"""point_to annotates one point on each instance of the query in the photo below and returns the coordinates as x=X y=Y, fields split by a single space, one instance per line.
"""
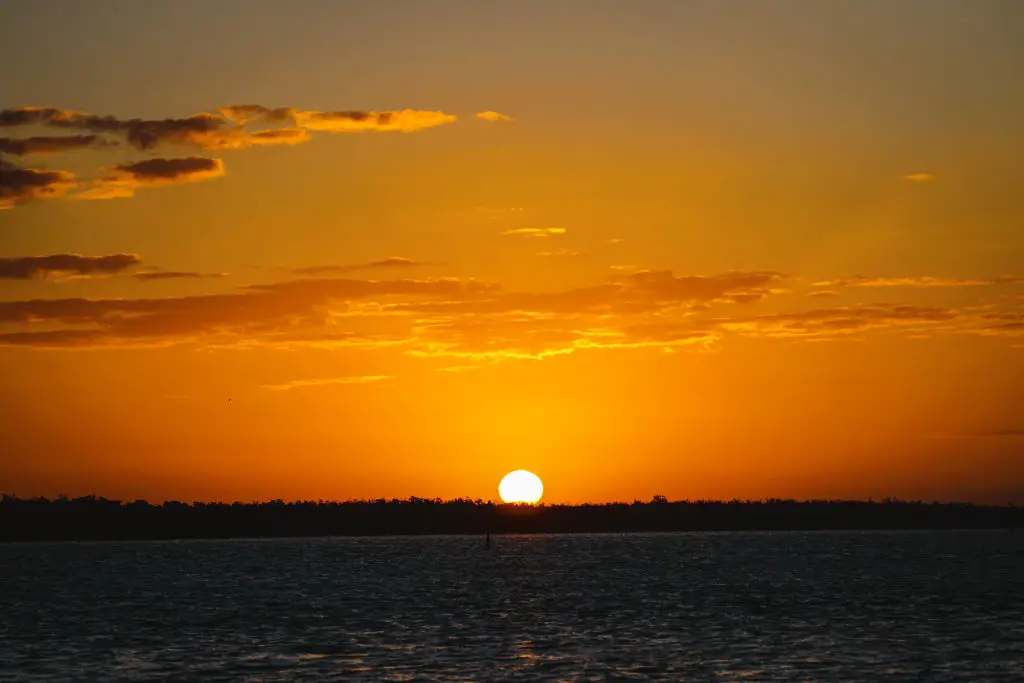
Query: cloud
x=493 y=116
x=458 y=368
x=223 y=129
x=51 y=145
x=149 y=276
x=290 y=308
x=823 y=293
x=427 y=318
x=146 y=135
x=478 y=322
x=919 y=177
x=341 y=288
x=220 y=130
x=205 y=130
x=841 y=320
x=1000 y=323
x=168 y=171
x=352 y=379
x=406 y=120
x=662 y=285
x=18 y=185
x=102 y=190
x=26 y=116
x=861 y=281
x=535 y=232
x=65 y=338
x=243 y=113
x=123 y=179
x=925 y=281
x=497 y=338
x=26 y=267
x=142 y=133
x=641 y=292
x=559 y=252
x=616 y=240
x=239 y=139
x=391 y=262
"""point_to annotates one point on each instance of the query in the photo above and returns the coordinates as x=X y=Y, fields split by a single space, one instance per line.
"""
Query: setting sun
x=521 y=487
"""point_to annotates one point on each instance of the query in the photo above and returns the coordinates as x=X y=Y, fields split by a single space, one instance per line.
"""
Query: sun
x=521 y=487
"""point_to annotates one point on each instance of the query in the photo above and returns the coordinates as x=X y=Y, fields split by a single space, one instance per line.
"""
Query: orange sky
x=637 y=248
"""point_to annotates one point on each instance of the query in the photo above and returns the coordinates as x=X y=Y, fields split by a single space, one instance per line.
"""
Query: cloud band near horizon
x=465 y=319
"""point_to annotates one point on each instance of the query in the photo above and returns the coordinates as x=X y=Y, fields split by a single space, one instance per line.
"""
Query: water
x=922 y=606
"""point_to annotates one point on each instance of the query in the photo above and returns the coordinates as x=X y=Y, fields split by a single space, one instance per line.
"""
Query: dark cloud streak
x=26 y=267
x=150 y=276
x=123 y=179
x=19 y=184
x=224 y=129
x=51 y=145
x=392 y=262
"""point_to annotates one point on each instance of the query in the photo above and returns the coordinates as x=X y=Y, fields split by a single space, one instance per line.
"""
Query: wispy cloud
x=924 y=281
x=534 y=232
x=295 y=307
x=458 y=368
x=559 y=252
x=240 y=139
x=399 y=262
x=823 y=293
x=919 y=177
x=26 y=267
x=52 y=145
x=223 y=129
x=325 y=381
x=900 y=282
x=18 y=185
x=493 y=116
x=634 y=293
x=842 y=320
x=152 y=275
x=479 y=322
x=1000 y=323
x=123 y=179
x=405 y=120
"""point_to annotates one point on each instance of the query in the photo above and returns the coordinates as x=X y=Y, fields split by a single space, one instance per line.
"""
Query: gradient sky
x=700 y=249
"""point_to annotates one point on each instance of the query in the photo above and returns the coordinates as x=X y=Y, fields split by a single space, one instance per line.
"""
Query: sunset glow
x=660 y=248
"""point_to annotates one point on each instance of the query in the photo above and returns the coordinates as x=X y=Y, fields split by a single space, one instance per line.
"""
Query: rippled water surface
x=945 y=606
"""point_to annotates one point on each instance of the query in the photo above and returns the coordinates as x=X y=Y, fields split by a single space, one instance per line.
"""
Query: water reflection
x=725 y=607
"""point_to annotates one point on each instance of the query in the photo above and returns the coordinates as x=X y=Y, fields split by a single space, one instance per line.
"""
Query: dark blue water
x=914 y=606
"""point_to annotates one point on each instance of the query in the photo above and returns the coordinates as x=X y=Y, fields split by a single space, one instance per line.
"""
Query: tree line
x=97 y=518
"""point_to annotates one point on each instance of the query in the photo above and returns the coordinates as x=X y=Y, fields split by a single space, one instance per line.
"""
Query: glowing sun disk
x=521 y=487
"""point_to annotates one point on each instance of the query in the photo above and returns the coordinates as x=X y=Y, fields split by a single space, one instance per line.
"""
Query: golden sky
x=698 y=249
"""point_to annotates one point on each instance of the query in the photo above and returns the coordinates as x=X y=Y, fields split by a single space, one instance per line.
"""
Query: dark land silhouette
x=95 y=518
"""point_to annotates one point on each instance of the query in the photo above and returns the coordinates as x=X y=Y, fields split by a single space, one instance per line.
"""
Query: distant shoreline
x=494 y=536
x=97 y=519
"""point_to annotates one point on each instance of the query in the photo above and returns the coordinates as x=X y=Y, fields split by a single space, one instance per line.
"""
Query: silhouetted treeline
x=92 y=518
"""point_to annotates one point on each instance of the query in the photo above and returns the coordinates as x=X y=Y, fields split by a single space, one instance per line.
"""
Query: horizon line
x=654 y=500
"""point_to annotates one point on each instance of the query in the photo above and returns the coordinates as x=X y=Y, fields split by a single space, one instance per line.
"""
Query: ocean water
x=915 y=606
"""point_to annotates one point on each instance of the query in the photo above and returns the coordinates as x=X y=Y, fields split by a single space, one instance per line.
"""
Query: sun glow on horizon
x=521 y=486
